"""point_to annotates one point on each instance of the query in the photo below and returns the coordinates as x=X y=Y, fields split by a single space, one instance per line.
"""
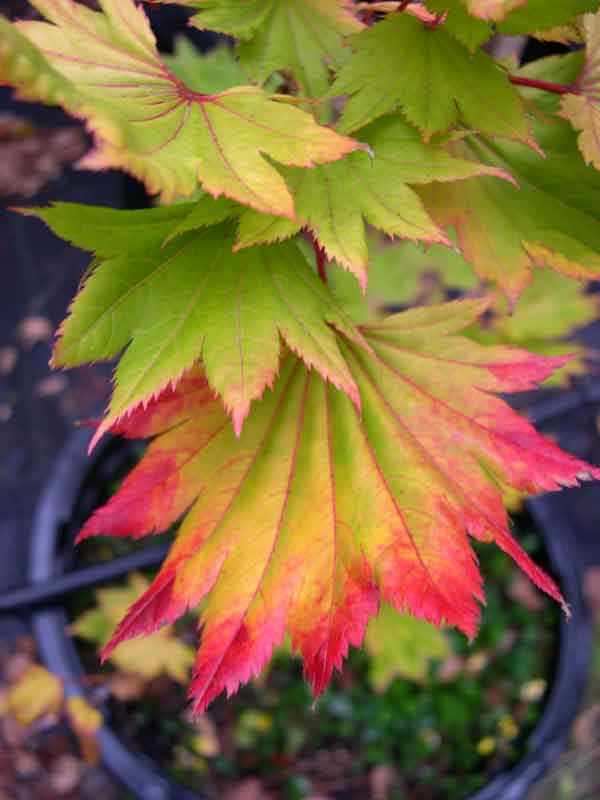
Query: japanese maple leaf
x=583 y=109
x=505 y=231
x=318 y=512
x=194 y=298
x=104 y=67
x=402 y=62
x=523 y=18
x=402 y=274
x=302 y=36
x=333 y=200
x=471 y=31
x=536 y=15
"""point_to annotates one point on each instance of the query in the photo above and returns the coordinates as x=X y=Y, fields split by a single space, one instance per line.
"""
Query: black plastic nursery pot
x=51 y=580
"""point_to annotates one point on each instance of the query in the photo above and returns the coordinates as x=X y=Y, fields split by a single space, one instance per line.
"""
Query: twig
x=557 y=88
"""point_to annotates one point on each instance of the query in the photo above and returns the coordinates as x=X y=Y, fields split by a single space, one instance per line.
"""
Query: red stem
x=321 y=259
x=557 y=88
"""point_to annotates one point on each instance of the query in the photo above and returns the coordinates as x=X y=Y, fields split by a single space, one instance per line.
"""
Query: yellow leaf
x=105 y=67
x=158 y=654
x=86 y=721
x=37 y=692
x=583 y=108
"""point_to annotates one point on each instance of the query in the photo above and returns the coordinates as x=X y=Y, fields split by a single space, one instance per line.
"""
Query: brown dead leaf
x=126 y=686
x=31 y=156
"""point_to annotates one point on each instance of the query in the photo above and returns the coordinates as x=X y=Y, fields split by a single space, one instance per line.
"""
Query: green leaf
x=304 y=37
x=402 y=646
x=194 y=298
x=212 y=72
x=401 y=62
x=538 y=15
x=513 y=17
x=552 y=217
x=105 y=68
x=108 y=232
x=400 y=274
x=471 y=31
x=333 y=201
x=403 y=274
x=237 y=19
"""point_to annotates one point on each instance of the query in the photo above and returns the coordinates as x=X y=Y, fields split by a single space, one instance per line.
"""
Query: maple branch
x=321 y=259
x=557 y=88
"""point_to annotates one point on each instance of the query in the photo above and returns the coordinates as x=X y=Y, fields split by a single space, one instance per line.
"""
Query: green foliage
x=401 y=63
x=400 y=120
x=403 y=274
x=332 y=201
x=192 y=298
x=402 y=646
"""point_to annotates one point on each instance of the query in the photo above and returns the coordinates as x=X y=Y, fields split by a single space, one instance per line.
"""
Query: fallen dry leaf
x=35 y=694
x=126 y=686
x=30 y=157
x=85 y=721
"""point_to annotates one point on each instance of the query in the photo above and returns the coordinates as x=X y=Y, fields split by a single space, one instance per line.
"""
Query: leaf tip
x=238 y=417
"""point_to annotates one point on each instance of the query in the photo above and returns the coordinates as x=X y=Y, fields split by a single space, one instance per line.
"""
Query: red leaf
x=319 y=511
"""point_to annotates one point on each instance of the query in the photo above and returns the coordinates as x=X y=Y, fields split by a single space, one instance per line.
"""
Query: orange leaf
x=319 y=511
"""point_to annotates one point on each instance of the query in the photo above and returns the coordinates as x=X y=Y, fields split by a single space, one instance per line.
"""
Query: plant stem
x=321 y=259
x=557 y=88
